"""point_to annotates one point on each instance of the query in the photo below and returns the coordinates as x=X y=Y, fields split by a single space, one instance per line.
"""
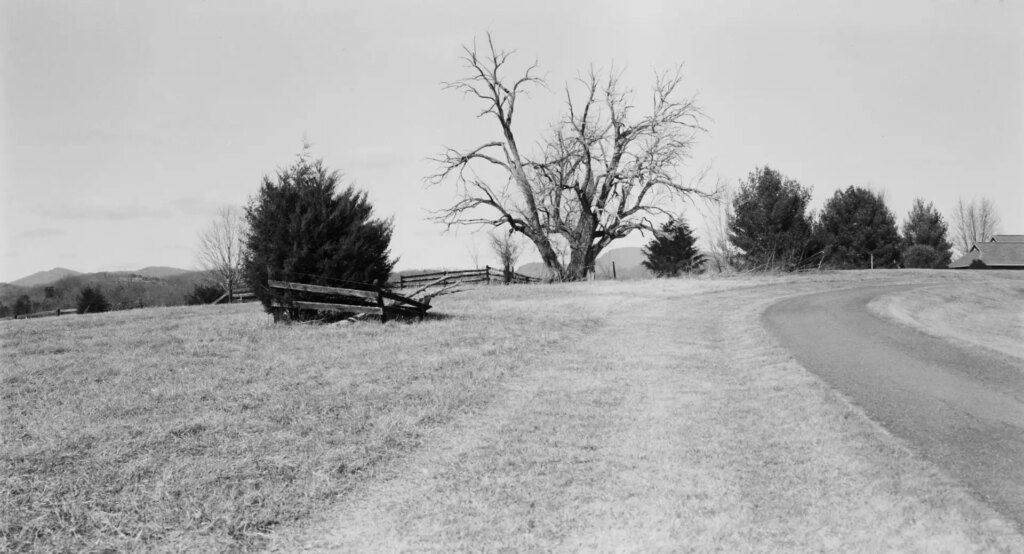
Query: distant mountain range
x=58 y=273
x=628 y=262
x=45 y=277
x=159 y=272
x=61 y=287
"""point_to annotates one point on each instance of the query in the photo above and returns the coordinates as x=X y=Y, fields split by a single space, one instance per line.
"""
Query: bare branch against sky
x=127 y=125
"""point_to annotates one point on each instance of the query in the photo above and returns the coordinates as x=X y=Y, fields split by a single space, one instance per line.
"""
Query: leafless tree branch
x=601 y=174
x=221 y=249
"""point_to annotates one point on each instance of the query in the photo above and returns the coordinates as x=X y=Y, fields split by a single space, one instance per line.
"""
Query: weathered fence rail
x=369 y=299
x=48 y=313
x=236 y=296
x=469 y=276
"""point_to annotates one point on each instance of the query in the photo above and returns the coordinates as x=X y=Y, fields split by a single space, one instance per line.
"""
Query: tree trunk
x=548 y=256
x=581 y=263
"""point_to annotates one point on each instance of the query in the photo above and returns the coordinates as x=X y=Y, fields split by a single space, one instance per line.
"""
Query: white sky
x=126 y=125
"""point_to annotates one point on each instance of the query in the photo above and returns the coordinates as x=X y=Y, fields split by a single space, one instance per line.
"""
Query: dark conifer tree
x=770 y=225
x=858 y=230
x=673 y=251
x=302 y=230
x=925 y=227
x=92 y=301
x=23 y=305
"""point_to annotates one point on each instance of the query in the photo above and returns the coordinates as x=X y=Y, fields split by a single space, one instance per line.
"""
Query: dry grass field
x=648 y=416
x=988 y=313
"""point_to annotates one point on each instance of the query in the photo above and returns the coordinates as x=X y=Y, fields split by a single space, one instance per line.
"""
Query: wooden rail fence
x=470 y=276
x=369 y=299
x=236 y=296
x=48 y=313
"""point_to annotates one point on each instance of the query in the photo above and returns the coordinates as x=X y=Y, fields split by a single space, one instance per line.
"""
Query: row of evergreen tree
x=89 y=300
x=771 y=228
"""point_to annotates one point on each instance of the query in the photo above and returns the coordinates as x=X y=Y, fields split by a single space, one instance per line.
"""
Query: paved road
x=961 y=409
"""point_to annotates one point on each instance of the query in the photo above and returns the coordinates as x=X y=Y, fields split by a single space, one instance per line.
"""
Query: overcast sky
x=127 y=125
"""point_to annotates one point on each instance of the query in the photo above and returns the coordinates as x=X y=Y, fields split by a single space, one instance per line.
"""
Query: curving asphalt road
x=961 y=409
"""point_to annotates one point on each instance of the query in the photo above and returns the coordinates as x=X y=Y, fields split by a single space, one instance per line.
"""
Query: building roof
x=1007 y=238
x=993 y=254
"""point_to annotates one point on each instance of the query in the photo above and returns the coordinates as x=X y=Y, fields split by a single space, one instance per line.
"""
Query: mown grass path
x=674 y=423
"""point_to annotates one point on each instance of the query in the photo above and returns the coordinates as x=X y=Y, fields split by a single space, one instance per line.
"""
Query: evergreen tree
x=92 y=301
x=770 y=225
x=925 y=227
x=673 y=251
x=23 y=305
x=302 y=230
x=922 y=256
x=858 y=230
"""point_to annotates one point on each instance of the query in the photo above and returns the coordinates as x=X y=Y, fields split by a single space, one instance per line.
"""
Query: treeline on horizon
x=766 y=225
x=121 y=291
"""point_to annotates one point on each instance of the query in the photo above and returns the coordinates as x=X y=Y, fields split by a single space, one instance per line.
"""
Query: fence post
x=487 y=272
x=380 y=303
x=614 y=276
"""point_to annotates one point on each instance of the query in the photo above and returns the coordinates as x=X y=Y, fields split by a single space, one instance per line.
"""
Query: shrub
x=302 y=230
x=23 y=305
x=91 y=301
x=673 y=251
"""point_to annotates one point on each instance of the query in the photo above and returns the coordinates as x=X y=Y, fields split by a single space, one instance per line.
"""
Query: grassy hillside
x=651 y=414
x=988 y=314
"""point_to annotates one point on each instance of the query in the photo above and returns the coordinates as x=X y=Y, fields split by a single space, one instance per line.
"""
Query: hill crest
x=45 y=277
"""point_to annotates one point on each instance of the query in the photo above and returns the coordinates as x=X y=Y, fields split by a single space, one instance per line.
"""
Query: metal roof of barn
x=993 y=254
x=1007 y=238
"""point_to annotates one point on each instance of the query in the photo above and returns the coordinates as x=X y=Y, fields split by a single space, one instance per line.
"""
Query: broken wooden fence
x=369 y=299
x=465 y=277
x=48 y=313
x=242 y=295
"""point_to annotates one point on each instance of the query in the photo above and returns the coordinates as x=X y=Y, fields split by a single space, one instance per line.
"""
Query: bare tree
x=221 y=249
x=716 y=219
x=973 y=222
x=473 y=249
x=508 y=249
x=601 y=173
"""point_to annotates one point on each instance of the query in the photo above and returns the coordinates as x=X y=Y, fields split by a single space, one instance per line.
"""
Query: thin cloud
x=191 y=205
x=43 y=233
x=110 y=212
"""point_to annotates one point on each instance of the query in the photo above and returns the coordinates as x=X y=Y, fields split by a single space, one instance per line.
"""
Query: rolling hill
x=160 y=271
x=123 y=289
x=627 y=259
x=45 y=277
x=58 y=273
